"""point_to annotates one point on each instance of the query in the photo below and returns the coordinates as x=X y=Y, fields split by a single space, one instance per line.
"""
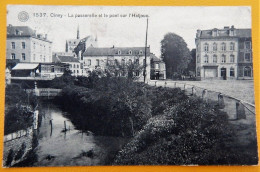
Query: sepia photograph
x=129 y=85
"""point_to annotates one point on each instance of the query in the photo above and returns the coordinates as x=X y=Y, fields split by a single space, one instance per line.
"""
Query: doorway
x=224 y=73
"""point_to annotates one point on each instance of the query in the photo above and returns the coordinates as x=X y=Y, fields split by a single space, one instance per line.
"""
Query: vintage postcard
x=129 y=85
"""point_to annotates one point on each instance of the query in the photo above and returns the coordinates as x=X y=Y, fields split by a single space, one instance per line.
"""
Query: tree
x=175 y=54
x=192 y=63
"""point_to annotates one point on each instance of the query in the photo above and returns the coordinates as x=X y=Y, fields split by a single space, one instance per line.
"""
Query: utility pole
x=145 y=51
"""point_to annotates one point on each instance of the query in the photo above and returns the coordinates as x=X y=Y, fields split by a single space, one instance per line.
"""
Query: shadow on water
x=60 y=143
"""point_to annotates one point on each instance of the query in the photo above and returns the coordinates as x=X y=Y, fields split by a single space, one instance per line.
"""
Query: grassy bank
x=165 y=125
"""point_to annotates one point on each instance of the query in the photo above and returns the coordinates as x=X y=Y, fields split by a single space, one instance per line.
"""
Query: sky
x=120 y=26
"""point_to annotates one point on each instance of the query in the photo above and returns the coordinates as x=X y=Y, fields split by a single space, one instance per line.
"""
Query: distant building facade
x=158 y=68
x=25 y=45
x=224 y=53
x=102 y=58
x=73 y=64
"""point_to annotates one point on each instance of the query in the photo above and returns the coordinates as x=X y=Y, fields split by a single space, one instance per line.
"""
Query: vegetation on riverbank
x=166 y=126
x=18 y=109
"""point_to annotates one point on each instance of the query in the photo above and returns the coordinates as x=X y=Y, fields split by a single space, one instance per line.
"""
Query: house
x=105 y=58
x=158 y=69
x=224 y=54
x=25 y=45
x=73 y=63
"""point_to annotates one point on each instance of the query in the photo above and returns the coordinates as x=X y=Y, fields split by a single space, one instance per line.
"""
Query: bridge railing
x=44 y=92
x=234 y=107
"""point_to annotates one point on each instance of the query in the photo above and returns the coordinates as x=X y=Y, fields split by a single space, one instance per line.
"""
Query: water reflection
x=60 y=144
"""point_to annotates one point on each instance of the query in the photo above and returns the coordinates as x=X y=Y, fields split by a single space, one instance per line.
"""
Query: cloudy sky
x=117 y=26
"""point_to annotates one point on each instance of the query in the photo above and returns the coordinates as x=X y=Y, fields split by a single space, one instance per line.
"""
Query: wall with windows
x=91 y=63
x=212 y=55
x=28 y=49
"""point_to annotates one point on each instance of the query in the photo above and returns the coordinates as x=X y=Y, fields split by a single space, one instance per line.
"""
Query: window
x=74 y=66
x=34 y=45
x=137 y=61
x=23 y=56
x=232 y=72
x=156 y=66
x=248 y=45
x=214 y=33
x=97 y=62
x=198 y=59
x=198 y=71
x=232 y=33
x=13 y=56
x=119 y=52
x=247 y=71
x=215 y=46
x=206 y=59
x=129 y=52
x=247 y=57
x=206 y=47
x=144 y=62
x=215 y=58
x=130 y=61
x=13 y=45
x=137 y=73
x=232 y=46
x=123 y=61
x=223 y=59
x=89 y=62
x=23 y=45
x=140 y=52
x=77 y=71
x=232 y=58
x=223 y=46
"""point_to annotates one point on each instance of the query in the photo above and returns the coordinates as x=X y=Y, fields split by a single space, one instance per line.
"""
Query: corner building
x=224 y=54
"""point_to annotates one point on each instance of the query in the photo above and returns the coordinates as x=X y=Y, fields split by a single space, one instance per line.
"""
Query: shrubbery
x=167 y=126
x=190 y=132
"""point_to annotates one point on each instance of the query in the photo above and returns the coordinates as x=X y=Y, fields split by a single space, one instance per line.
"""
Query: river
x=73 y=147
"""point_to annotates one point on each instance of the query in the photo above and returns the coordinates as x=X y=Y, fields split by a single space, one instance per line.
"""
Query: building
x=224 y=53
x=104 y=58
x=158 y=69
x=25 y=45
x=73 y=63
x=72 y=45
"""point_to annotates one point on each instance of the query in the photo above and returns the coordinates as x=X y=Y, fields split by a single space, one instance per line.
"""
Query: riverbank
x=166 y=126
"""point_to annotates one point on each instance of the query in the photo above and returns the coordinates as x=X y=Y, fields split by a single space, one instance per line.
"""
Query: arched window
x=247 y=71
x=215 y=46
x=232 y=58
x=223 y=46
x=206 y=59
x=232 y=72
x=232 y=46
x=223 y=58
x=215 y=58
x=206 y=47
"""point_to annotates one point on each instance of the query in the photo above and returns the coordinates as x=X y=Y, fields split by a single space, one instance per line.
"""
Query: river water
x=73 y=147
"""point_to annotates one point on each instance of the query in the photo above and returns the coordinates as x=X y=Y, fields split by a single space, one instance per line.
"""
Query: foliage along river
x=73 y=147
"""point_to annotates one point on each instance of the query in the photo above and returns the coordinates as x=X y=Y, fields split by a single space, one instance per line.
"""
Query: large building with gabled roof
x=27 y=46
x=224 y=53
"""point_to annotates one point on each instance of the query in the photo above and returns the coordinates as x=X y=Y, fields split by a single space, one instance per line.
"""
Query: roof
x=24 y=31
x=73 y=42
x=116 y=51
x=26 y=66
x=154 y=58
x=64 y=59
x=241 y=33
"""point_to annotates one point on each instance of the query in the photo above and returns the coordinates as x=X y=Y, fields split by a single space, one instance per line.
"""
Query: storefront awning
x=25 y=66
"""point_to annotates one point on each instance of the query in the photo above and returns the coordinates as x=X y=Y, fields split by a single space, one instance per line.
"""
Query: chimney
x=226 y=27
x=232 y=27
x=198 y=33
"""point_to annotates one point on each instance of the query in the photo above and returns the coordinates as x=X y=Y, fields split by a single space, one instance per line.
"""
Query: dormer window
x=140 y=52
x=214 y=33
x=119 y=52
x=129 y=52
